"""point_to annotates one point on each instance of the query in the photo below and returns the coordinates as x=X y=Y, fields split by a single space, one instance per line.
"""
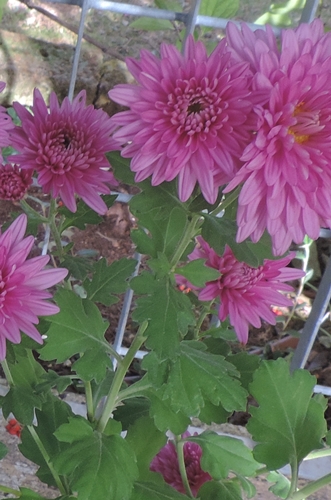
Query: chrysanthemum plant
x=238 y=138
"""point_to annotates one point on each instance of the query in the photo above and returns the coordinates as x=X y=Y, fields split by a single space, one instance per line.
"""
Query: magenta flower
x=166 y=462
x=5 y=124
x=246 y=294
x=189 y=117
x=22 y=285
x=66 y=145
x=14 y=182
x=286 y=174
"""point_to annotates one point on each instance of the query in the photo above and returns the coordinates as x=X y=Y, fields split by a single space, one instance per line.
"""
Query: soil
x=36 y=50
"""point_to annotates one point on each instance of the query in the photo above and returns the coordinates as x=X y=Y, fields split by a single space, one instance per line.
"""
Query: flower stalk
x=181 y=463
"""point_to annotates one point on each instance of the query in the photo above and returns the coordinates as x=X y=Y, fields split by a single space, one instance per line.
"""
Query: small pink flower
x=286 y=174
x=246 y=293
x=22 y=285
x=66 y=145
x=189 y=117
x=166 y=462
x=5 y=124
x=14 y=182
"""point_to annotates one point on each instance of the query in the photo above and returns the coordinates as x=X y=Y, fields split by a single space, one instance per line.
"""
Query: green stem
x=204 y=313
x=47 y=459
x=318 y=454
x=133 y=391
x=294 y=479
x=191 y=231
x=119 y=377
x=54 y=229
x=7 y=373
x=89 y=401
x=5 y=489
x=227 y=201
x=181 y=462
x=311 y=488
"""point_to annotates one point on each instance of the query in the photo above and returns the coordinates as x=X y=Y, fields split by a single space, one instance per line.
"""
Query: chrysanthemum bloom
x=22 y=285
x=166 y=462
x=5 y=124
x=14 y=182
x=246 y=294
x=189 y=117
x=287 y=169
x=66 y=145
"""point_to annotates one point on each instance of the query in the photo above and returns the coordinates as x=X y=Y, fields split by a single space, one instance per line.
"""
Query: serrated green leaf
x=145 y=449
x=169 y=312
x=288 y=424
x=151 y=24
x=282 y=484
x=223 y=454
x=220 y=231
x=153 y=491
x=214 y=380
x=76 y=429
x=22 y=402
x=225 y=490
x=246 y=365
x=131 y=410
x=78 y=327
x=78 y=267
x=121 y=167
x=100 y=467
x=197 y=273
x=164 y=416
x=27 y=494
x=108 y=280
x=93 y=364
x=215 y=8
x=51 y=379
x=83 y=215
x=216 y=414
x=53 y=413
x=3 y=450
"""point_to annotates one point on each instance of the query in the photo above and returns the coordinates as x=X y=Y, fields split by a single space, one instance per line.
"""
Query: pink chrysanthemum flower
x=246 y=293
x=22 y=285
x=5 y=124
x=66 y=145
x=287 y=169
x=14 y=182
x=166 y=462
x=189 y=117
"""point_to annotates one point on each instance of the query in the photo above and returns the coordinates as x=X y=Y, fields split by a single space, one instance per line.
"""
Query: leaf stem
x=6 y=489
x=7 y=372
x=191 y=230
x=226 y=201
x=119 y=377
x=294 y=478
x=54 y=228
x=181 y=463
x=310 y=488
x=89 y=401
x=47 y=459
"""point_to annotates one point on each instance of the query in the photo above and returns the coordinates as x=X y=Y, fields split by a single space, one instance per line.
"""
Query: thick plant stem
x=311 y=488
x=89 y=401
x=181 y=463
x=55 y=232
x=191 y=231
x=47 y=459
x=119 y=377
x=294 y=479
x=7 y=373
x=10 y=491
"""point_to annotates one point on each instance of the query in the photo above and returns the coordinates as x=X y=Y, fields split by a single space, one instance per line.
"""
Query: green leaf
x=169 y=5
x=78 y=267
x=54 y=413
x=100 y=467
x=121 y=167
x=21 y=402
x=145 y=449
x=76 y=429
x=131 y=410
x=3 y=450
x=84 y=215
x=93 y=364
x=219 y=231
x=197 y=273
x=215 y=8
x=164 y=416
x=153 y=491
x=151 y=24
x=225 y=490
x=214 y=380
x=78 y=327
x=27 y=494
x=213 y=414
x=282 y=485
x=246 y=364
x=108 y=280
x=223 y=454
x=51 y=379
x=169 y=312
x=288 y=424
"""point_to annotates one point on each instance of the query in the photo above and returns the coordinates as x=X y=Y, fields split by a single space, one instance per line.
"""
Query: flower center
x=307 y=123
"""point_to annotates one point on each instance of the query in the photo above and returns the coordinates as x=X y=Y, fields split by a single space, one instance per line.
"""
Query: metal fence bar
x=73 y=77
x=309 y=11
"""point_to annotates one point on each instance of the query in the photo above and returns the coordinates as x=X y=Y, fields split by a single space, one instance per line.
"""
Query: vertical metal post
x=191 y=20
x=73 y=77
x=309 y=11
